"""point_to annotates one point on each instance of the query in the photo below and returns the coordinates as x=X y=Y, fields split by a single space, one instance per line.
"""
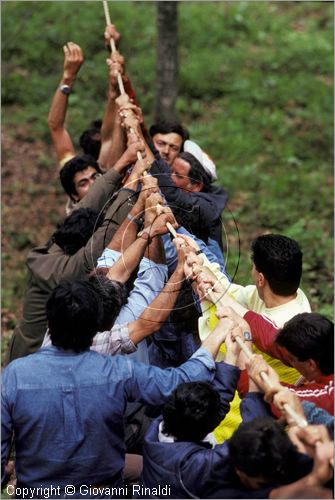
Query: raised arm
x=154 y=225
x=73 y=59
x=113 y=138
x=157 y=313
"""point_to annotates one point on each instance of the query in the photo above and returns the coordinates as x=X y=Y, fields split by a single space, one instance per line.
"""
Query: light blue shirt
x=151 y=278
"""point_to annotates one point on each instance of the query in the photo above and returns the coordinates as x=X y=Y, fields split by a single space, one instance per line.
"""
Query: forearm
x=58 y=108
x=56 y=118
x=228 y=301
x=113 y=140
x=127 y=232
x=128 y=261
x=212 y=344
x=117 y=147
x=158 y=311
x=114 y=217
x=59 y=103
x=155 y=251
x=109 y=115
x=149 y=154
x=232 y=295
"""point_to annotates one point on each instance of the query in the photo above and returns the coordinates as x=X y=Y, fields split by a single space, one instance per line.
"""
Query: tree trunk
x=167 y=61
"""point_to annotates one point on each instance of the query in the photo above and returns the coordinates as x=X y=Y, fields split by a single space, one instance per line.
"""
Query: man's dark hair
x=77 y=229
x=280 y=260
x=71 y=167
x=165 y=127
x=113 y=295
x=262 y=448
x=90 y=139
x=192 y=411
x=309 y=336
x=197 y=172
x=74 y=313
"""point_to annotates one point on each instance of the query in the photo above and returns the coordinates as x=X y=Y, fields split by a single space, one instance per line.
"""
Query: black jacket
x=199 y=213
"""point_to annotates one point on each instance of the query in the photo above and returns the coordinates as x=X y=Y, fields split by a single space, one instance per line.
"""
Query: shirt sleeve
x=322 y=394
x=318 y=416
x=253 y=406
x=114 y=341
x=225 y=382
x=264 y=333
x=6 y=425
x=153 y=385
x=150 y=281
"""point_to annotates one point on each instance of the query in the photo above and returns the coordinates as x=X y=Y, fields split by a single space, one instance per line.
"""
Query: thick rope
x=301 y=422
x=113 y=47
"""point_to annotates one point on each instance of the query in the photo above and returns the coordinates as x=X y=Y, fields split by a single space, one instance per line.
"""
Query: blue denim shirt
x=67 y=411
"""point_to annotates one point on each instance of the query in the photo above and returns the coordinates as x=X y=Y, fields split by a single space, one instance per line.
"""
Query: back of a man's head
x=90 y=139
x=279 y=259
x=192 y=411
x=76 y=164
x=261 y=448
x=76 y=230
x=309 y=336
x=113 y=296
x=74 y=313
x=165 y=127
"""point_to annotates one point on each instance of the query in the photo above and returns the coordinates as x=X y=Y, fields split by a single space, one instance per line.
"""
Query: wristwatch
x=137 y=220
x=247 y=336
x=66 y=89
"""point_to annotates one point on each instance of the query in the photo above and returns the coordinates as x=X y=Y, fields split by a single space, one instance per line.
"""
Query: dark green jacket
x=47 y=266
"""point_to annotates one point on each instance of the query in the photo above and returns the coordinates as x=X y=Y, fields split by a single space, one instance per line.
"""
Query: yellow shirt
x=249 y=298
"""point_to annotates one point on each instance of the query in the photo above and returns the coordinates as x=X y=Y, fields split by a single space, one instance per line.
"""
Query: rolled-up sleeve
x=114 y=341
x=149 y=283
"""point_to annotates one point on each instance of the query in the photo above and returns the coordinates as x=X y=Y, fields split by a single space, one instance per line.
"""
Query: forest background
x=255 y=91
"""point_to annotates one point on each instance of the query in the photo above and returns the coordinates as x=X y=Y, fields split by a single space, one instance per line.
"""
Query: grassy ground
x=256 y=91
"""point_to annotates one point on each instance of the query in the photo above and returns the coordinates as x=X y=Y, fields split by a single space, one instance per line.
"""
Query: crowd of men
x=137 y=368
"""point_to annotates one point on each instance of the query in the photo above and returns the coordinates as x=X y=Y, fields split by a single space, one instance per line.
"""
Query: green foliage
x=255 y=90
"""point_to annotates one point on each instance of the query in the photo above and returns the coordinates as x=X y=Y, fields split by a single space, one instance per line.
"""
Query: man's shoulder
x=216 y=197
x=22 y=365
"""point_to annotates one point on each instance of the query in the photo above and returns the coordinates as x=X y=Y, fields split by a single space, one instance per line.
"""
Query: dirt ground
x=32 y=204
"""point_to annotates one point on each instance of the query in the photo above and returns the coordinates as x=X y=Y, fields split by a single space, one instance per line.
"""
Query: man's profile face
x=83 y=180
x=180 y=170
x=168 y=145
x=302 y=367
x=181 y=176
